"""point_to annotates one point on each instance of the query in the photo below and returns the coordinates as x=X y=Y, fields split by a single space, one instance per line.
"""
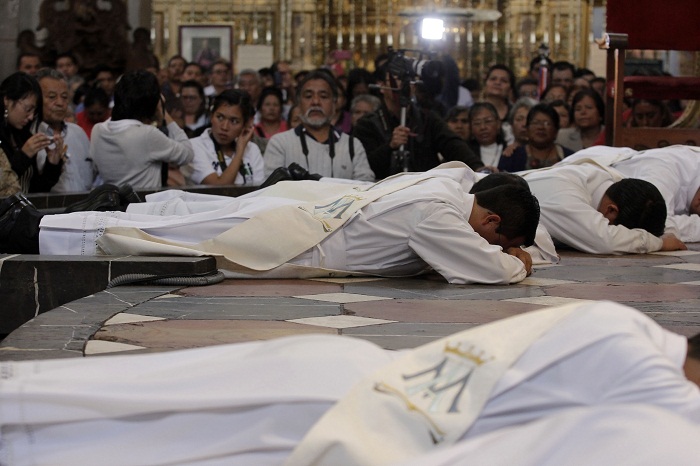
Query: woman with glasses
x=224 y=153
x=21 y=107
x=194 y=108
x=542 y=128
x=488 y=141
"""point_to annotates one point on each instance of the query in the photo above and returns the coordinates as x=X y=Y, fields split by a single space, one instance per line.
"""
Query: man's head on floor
x=694 y=208
x=691 y=367
x=634 y=203
x=506 y=215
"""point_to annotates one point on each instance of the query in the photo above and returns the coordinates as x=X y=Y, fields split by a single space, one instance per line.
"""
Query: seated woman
x=271 y=120
x=194 y=108
x=517 y=119
x=564 y=111
x=540 y=150
x=223 y=154
x=650 y=114
x=487 y=139
x=588 y=113
x=457 y=120
x=21 y=105
x=128 y=148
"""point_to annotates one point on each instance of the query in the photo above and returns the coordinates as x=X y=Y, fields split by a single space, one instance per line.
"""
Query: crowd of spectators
x=66 y=129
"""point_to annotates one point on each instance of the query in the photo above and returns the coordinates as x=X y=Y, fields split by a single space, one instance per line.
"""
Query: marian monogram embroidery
x=333 y=210
x=438 y=389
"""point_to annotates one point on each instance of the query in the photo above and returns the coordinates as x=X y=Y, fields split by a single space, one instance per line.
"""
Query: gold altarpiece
x=305 y=31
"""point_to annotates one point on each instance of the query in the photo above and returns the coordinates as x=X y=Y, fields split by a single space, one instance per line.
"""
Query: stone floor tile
x=408 y=329
x=690 y=283
x=103 y=347
x=175 y=334
x=547 y=300
x=398 y=342
x=627 y=292
x=262 y=288
x=341 y=297
x=687 y=331
x=675 y=253
x=419 y=310
x=343 y=321
x=542 y=281
x=127 y=318
x=686 y=266
x=343 y=281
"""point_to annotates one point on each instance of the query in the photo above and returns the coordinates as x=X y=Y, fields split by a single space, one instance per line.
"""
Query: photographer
x=424 y=136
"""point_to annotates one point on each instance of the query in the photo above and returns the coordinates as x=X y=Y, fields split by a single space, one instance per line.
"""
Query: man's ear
x=492 y=218
x=611 y=212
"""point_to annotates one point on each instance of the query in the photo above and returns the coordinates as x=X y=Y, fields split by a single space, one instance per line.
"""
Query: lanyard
x=305 y=147
x=222 y=160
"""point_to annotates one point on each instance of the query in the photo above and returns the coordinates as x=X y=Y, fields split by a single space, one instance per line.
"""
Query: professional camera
x=408 y=68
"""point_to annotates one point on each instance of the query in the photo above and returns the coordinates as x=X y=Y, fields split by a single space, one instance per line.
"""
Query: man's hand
x=672 y=243
x=524 y=257
x=55 y=155
x=399 y=137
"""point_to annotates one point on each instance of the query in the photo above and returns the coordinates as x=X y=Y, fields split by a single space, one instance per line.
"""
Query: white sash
x=424 y=400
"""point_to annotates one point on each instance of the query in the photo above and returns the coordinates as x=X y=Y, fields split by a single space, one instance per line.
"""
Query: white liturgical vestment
x=406 y=232
x=569 y=197
x=252 y=403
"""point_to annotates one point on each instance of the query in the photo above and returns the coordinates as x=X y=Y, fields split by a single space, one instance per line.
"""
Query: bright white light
x=432 y=29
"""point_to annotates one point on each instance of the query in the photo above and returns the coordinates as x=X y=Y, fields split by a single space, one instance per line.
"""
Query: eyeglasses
x=29 y=109
x=544 y=123
x=485 y=121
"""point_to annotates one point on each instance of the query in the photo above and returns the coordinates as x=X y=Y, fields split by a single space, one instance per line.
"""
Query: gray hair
x=50 y=73
x=523 y=102
x=367 y=98
x=250 y=72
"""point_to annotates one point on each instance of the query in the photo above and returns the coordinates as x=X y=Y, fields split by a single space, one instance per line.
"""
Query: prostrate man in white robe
x=253 y=403
x=674 y=170
x=418 y=222
x=597 y=210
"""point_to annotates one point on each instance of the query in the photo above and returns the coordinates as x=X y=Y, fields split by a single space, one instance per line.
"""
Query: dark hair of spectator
x=26 y=54
x=270 y=90
x=200 y=92
x=96 y=95
x=597 y=99
x=356 y=76
x=66 y=55
x=456 y=111
x=499 y=66
x=317 y=74
x=564 y=65
x=500 y=139
x=536 y=60
x=234 y=97
x=136 y=96
x=694 y=347
x=544 y=109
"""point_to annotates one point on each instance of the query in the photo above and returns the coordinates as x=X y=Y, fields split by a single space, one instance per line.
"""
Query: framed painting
x=206 y=43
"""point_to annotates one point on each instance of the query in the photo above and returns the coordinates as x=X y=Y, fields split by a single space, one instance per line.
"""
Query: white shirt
x=569 y=196
x=286 y=147
x=206 y=162
x=79 y=171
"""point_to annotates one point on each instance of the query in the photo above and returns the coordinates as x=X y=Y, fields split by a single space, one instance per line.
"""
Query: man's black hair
x=268 y=91
x=136 y=96
x=640 y=205
x=96 y=95
x=564 y=65
x=26 y=54
x=694 y=347
x=319 y=74
x=518 y=208
x=66 y=55
x=498 y=179
x=536 y=60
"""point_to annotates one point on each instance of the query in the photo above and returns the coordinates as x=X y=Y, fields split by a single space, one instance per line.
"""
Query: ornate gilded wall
x=304 y=31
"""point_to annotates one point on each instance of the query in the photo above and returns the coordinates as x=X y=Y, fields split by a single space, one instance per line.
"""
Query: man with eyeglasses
x=425 y=136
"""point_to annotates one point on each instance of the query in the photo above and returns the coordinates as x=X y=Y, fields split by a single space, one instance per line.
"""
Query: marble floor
x=393 y=313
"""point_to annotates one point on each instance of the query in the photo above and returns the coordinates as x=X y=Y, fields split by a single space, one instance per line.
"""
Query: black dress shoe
x=127 y=195
x=103 y=198
x=280 y=174
x=300 y=173
x=19 y=226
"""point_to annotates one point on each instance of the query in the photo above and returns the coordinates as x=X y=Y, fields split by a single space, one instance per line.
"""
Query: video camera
x=408 y=68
